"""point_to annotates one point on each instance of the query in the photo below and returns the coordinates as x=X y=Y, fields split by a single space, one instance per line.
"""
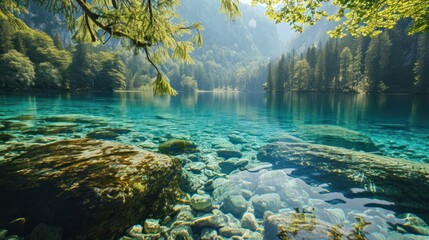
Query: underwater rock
x=234 y=204
x=236 y=139
x=229 y=153
x=230 y=165
x=12 y=125
x=95 y=189
x=402 y=181
x=297 y=225
x=49 y=130
x=74 y=118
x=228 y=231
x=201 y=202
x=103 y=135
x=176 y=147
x=222 y=143
x=135 y=231
x=190 y=183
x=148 y=144
x=266 y=202
x=284 y=137
x=208 y=234
x=181 y=233
x=249 y=222
x=4 y=137
x=212 y=220
x=337 y=136
x=151 y=226
x=414 y=224
x=196 y=167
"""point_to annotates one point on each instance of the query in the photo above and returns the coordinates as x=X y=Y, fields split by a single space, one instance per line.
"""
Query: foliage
x=17 y=71
x=155 y=27
x=357 y=64
x=188 y=84
x=359 y=18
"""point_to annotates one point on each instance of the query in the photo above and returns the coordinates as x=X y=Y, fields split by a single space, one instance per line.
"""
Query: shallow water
x=398 y=125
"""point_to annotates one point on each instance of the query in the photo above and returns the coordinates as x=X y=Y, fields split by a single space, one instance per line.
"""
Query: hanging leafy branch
x=155 y=27
x=357 y=17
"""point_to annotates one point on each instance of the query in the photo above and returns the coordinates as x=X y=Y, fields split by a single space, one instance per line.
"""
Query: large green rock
x=177 y=146
x=337 y=136
x=92 y=189
x=402 y=181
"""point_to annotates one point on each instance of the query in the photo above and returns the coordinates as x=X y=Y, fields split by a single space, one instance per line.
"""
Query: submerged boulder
x=177 y=146
x=92 y=189
x=337 y=136
x=402 y=181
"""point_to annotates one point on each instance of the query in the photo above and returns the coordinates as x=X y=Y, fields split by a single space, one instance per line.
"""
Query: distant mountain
x=252 y=33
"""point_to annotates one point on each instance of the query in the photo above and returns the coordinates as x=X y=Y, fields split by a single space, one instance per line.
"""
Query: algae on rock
x=177 y=146
x=402 y=181
x=92 y=189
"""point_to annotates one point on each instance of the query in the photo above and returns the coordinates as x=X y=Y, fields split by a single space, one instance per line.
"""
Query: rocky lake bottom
x=211 y=167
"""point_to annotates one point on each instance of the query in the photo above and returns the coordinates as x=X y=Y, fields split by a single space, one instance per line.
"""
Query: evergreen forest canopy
x=390 y=62
x=156 y=28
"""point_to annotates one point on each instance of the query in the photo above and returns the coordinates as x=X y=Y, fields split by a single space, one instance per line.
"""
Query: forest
x=393 y=61
x=44 y=57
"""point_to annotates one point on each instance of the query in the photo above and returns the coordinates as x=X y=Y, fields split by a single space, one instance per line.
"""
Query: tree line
x=392 y=61
x=33 y=60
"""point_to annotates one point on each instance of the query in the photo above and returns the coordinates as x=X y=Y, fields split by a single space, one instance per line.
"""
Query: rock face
x=337 y=136
x=402 y=181
x=92 y=189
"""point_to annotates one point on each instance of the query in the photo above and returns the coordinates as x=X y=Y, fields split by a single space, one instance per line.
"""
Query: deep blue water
x=397 y=124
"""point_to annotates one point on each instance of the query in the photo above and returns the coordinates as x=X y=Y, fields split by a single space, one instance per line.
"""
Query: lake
x=365 y=125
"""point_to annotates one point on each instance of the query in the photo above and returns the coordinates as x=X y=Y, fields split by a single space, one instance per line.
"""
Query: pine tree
x=269 y=86
x=281 y=76
x=80 y=71
x=302 y=72
x=346 y=67
x=421 y=66
x=358 y=64
x=377 y=62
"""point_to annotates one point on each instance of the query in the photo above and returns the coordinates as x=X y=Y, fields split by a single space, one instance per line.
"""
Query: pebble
x=214 y=221
x=226 y=154
x=231 y=231
x=151 y=226
x=208 y=234
x=266 y=202
x=249 y=222
x=201 y=202
x=234 y=204
x=182 y=232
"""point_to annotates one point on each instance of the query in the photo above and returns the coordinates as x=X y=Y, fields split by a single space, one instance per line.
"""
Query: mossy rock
x=177 y=146
x=402 y=181
x=92 y=189
x=4 y=137
x=337 y=136
x=103 y=134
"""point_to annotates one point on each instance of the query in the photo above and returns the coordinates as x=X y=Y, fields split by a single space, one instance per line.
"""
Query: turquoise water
x=398 y=125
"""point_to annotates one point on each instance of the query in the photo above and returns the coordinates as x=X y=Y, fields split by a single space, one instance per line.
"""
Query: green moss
x=176 y=147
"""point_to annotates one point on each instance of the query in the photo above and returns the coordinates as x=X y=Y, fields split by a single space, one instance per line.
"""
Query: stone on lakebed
x=92 y=189
x=402 y=181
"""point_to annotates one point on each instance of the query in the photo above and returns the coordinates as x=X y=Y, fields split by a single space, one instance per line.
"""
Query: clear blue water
x=397 y=124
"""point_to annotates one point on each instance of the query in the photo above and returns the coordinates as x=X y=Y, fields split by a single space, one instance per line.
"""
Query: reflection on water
x=242 y=123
